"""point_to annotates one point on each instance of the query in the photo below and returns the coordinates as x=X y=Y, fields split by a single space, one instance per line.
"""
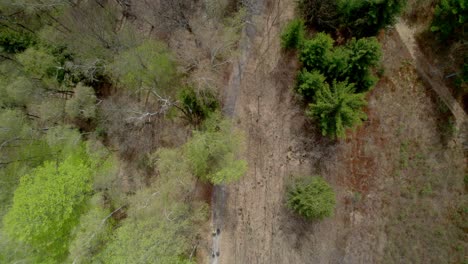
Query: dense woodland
x=107 y=123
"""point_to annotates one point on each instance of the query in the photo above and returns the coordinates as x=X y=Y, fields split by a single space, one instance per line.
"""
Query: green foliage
x=148 y=67
x=38 y=62
x=315 y=52
x=93 y=231
x=161 y=237
x=364 y=54
x=309 y=83
x=366 y=18
x=197 y=105
x=450 y=18
x=312 y=198
x=337 y=108
x=82 y=104
x=213 y=154
x=12 y=41
x=293 y=35
x=161 y=226
x=334 y=79
x=351 y=62
x=20 y=91
x=356 y=18
x=47 y=204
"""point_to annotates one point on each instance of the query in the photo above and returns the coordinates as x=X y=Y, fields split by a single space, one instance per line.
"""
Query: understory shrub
x=293 y=35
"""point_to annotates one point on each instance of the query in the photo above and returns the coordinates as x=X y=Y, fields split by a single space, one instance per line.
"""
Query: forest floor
x=398 y=178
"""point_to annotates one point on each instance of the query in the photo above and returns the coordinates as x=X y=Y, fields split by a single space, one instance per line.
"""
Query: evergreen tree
x=315 y=52
x=337 y=108
x=450 y=19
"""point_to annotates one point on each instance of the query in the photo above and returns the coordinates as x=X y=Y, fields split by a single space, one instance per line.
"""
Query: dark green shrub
x=312 y=198
x=351 y=63
x=337 y=108
x=450 y=19
x=293 y=35
x=14 y=42
x=309 y=82
x=315 y=52
x=196 y=106
x=365 y=18
x=351 y=17
x=337 y=66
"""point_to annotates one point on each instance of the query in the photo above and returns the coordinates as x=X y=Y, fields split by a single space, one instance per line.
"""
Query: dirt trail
x=255 y=226
x=430 y=74
x=231 y=94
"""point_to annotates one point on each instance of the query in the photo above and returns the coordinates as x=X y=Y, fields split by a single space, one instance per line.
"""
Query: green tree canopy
x=293 y=35
x=38 y=62
x=337 y=108
x=148 y=67
x=47 y=205
x=214 y=153
x=311 y=197
x=450 y=19
x=161 y=226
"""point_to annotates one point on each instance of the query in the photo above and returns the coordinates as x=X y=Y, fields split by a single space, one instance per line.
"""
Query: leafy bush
x=312 y=198
x=450 y=18
x=309 y=83
x=364 y=54
x=293 y=35
x=337 y=108
x=315 y=52
x=13 y=41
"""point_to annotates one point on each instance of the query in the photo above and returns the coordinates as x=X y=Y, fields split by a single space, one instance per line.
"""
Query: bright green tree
x=337 y=108
x=311 y=197
x=47 y=205
x=214 y=154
